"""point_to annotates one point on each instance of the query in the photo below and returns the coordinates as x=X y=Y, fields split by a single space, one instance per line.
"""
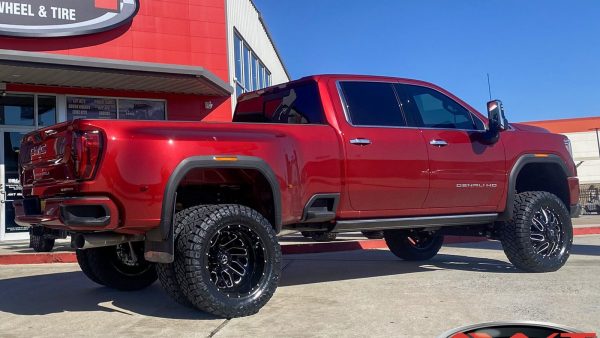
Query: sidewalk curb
x=289 y=249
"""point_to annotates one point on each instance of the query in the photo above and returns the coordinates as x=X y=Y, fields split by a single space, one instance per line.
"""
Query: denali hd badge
x=49 y=18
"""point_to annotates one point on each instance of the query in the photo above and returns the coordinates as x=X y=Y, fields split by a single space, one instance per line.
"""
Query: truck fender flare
x=514 y=173
x=242 y=162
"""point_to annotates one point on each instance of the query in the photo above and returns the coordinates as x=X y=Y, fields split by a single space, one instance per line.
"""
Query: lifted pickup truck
x=199 y=205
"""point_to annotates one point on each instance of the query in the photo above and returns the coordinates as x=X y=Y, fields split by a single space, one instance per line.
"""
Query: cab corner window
x=436 y=110
x=372 y=104
x=296 y=104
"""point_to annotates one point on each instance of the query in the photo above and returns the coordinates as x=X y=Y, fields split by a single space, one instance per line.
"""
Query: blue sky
x=543 y=56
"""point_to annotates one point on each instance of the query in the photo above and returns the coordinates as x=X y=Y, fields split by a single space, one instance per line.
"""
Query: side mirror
x=497 y=120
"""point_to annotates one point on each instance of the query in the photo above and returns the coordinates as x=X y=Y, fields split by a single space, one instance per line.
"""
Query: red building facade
x=124 y=59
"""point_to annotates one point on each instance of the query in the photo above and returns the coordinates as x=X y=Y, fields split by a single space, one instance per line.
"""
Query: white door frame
x=3 y=235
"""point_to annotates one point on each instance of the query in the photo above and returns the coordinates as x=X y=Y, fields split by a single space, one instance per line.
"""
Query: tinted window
x=297 y=104
x=46 y=110
x=372 y=104
x=432 y=109
x=17 y=109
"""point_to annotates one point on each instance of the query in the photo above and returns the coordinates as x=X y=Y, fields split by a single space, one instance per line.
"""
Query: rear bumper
x=74 y=213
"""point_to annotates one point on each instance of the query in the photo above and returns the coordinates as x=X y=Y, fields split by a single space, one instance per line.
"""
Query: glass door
x=10 y=187
x=20 y=113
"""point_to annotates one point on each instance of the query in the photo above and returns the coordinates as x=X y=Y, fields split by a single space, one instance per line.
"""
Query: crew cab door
x=465 y=171
x=386 y=163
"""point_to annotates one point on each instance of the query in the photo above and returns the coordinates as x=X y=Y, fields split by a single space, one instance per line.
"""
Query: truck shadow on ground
x=576 y=249
x=319 y=268
x=73 y=292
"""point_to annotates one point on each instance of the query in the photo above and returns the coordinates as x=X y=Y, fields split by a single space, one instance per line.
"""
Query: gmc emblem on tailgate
x=38 y=150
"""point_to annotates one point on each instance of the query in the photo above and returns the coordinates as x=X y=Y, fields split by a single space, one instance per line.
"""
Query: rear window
x=295 y=104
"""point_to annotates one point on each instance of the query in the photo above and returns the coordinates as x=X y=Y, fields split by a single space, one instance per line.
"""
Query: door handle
x=360 y=141
x=438 y=143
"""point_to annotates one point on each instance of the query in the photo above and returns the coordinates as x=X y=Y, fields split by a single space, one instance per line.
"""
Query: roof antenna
x=489 y=86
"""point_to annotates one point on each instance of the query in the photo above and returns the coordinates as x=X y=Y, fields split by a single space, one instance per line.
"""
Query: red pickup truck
x=199 y=205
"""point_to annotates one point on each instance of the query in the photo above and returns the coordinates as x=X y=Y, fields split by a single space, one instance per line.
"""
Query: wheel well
x=548 y=177
x=247 y=187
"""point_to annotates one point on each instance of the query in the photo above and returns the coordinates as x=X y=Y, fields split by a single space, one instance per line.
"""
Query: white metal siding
x=244 y=17
x=585 y=148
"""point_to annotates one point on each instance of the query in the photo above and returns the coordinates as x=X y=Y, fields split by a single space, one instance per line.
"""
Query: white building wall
x=243 y=16
x=585 y=148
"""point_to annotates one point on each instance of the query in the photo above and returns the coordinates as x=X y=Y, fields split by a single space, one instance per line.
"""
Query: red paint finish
x=398 y=175
x=466 y=172
x=182 y=32
x=107 y=4
x=391 y=173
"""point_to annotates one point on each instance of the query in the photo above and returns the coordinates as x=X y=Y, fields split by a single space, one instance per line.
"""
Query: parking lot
x=358 y=293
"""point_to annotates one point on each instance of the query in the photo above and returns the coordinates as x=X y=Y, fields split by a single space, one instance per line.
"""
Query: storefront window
x=46 y=110
x=107 y=108
x=141 y=109
x=91 y=108
x=17 y=110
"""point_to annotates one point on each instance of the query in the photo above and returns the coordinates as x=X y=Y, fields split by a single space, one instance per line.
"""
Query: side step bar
x=413 y=222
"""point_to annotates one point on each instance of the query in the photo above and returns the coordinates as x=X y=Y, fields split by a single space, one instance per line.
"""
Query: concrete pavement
x=346 y=294
x=18 y=252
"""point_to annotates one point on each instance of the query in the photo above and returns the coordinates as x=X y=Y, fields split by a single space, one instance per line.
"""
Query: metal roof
x=572 y=125
x=84 y=72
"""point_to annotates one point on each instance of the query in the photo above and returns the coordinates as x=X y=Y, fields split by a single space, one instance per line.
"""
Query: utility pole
x=597 y=139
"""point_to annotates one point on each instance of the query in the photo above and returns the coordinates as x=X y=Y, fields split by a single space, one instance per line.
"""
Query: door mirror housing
x=496 y=119
x=496 y=122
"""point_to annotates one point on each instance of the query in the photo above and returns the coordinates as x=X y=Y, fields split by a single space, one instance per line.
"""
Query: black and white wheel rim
x=421 y=240
x=129 y=259
x=547 y=233
x=236 y=260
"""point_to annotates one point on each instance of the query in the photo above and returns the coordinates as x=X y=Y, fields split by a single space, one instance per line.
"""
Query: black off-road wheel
x=373 y=234
x=40 y=243
x=539 y=236
x=120 y=267
x=413 y=245
x=231 y=260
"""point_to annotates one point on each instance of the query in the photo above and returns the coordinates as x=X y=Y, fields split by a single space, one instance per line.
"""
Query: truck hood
x=527 y=127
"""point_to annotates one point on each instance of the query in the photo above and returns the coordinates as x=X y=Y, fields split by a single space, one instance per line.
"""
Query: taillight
x=87 y=148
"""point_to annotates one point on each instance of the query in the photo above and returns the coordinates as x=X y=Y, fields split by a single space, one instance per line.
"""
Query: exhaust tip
x=77 y=241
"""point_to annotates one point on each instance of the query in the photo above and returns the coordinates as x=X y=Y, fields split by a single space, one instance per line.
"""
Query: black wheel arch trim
x=242 y=162
x=514 y=173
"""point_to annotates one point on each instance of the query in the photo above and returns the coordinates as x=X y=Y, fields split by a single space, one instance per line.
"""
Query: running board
x=413 y=222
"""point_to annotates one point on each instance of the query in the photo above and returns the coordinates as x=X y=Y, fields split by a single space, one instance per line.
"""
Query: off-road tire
x=516 y=234
x=111 y=271
x=41 y=243
x=373 y=234
x=204 y=224
x=82 y=259
x=400 y=243
x=167 y=272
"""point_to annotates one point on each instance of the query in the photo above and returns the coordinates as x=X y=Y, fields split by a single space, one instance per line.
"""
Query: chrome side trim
x=413 y=222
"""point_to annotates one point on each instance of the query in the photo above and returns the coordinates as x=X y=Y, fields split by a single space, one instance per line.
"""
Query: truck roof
x=358 y=77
